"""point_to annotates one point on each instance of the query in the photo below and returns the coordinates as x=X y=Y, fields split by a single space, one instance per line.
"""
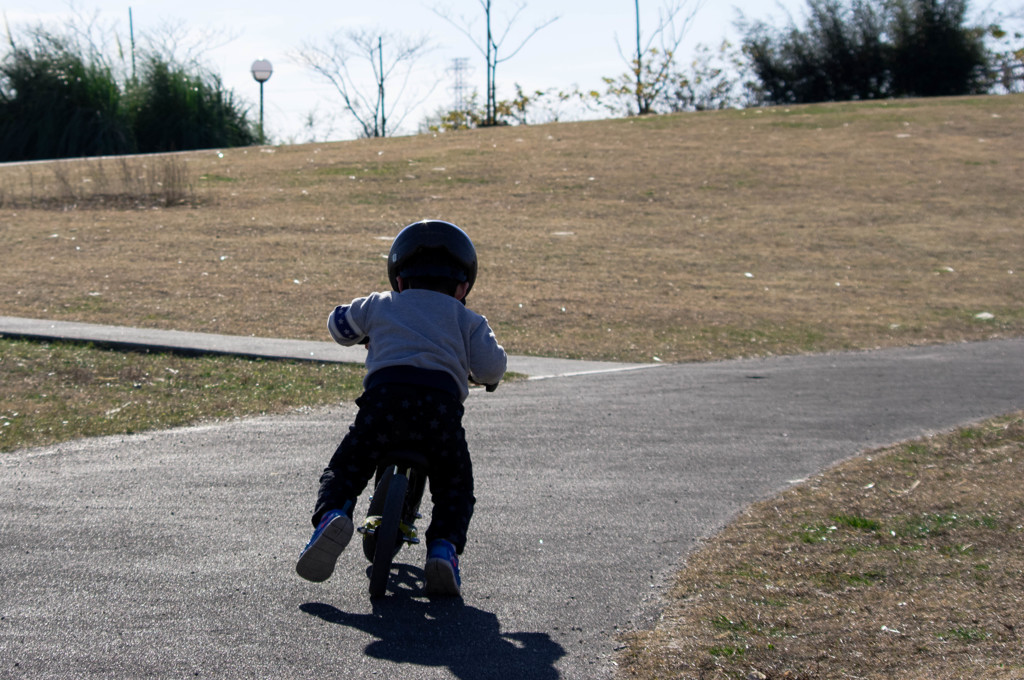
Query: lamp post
x=261 y=71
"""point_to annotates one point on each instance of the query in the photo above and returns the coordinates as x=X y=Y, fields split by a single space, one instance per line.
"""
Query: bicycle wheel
x=387 y=535
x=376 y=509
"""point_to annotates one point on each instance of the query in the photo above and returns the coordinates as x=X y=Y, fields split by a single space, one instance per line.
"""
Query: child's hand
x=490 y=387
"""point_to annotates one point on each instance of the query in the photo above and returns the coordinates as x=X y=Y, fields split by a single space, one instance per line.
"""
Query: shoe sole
x=316 y=563
x=441 y=578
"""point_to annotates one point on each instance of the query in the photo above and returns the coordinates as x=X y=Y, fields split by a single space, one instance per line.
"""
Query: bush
x=56 y=103
x=869 y=50
x=174 y=110
x=934 y=55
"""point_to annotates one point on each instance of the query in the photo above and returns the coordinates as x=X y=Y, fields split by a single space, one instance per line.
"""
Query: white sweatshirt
x=421 y=329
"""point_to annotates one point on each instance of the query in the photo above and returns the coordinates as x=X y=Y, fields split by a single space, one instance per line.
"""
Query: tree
x=62 y=95
x=647 y=86
x=934 y=53
x=651 y=66
x=1006 y=59
x=839 y=55
x=173 y=110
x=331 y=61
x=713 y=80
x=520 y=110
x=491 y=47
x=55 y=104
x=174 y=42
x=867 y=49
x=1006 y=33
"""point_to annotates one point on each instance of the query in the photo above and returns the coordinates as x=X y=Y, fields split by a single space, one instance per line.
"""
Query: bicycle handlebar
x=490 y=387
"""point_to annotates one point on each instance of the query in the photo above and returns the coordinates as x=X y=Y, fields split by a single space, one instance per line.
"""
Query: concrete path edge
x=133 y=338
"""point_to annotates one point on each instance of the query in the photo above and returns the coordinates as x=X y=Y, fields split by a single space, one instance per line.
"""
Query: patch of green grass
x=958 y=550
x=725 y=624
x=986 y=522
x=85 y=303
x=51 y=392
x=375 y=170
x=929 y=525
x=965 y=634
x=866 y=578
x=815 y=533
x=942 y=523
x=857 y=522
x=970 y=434
x=727 y=651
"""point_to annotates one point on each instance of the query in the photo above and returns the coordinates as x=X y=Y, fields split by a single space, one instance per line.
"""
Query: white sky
x=576 y=50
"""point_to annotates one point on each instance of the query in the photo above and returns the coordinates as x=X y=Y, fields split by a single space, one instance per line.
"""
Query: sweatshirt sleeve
x=344 y=327
x=487 y=359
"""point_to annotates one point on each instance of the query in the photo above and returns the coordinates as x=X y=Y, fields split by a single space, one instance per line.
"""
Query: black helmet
x=432 y=248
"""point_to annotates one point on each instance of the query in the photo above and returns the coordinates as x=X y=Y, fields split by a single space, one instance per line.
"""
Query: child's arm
x=343 y=327
x=487 y=358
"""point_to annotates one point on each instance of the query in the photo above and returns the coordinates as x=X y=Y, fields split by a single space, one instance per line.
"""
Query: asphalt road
x=171 y=554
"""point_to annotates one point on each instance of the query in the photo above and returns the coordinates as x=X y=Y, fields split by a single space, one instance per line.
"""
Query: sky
x=576 y=50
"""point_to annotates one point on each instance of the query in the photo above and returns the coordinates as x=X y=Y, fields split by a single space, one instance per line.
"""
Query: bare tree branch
x=173 y=42
x=385 y=57
x=490 y=47
x=674 y=20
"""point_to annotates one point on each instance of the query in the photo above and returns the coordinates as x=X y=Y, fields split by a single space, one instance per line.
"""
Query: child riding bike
x=423 y=346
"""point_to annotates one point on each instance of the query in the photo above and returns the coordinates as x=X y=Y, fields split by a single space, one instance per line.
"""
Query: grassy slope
x=684 y=237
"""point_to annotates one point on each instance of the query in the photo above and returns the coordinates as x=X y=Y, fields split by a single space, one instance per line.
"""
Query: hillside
x=680 y=237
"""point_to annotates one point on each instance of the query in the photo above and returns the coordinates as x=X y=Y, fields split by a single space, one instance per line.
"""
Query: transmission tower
x=459 y=69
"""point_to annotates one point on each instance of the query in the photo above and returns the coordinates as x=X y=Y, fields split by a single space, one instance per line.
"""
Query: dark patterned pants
x=406 y=417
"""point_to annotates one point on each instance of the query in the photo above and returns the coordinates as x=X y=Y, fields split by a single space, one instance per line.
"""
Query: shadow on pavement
x=445 y=632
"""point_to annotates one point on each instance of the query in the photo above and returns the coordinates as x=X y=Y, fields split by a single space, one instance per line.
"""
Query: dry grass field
x=673 y=238
x=905 y=563
x=684 y=237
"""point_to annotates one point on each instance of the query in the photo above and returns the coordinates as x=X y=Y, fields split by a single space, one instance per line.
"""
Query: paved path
x=170 y=554
x=127 y=337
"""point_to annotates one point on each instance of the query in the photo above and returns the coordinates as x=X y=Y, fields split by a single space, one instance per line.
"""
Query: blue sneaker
x=316 y=562
x=442 y=569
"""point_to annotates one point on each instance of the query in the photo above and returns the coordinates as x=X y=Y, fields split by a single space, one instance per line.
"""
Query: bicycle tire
x=387 y=535
x=376 y=507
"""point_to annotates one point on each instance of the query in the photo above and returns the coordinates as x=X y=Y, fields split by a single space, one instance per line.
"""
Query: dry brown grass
x=861 y=225
x=905 y=563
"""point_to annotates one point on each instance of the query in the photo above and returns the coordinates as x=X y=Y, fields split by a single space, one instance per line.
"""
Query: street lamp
x=261 y=72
